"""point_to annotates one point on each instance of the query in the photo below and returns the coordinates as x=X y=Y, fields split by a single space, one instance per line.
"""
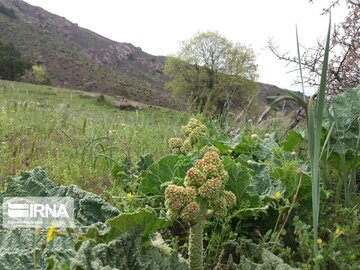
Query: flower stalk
x=204 y=192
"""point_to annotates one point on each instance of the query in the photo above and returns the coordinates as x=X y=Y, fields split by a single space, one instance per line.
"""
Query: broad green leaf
x=345 y=112
x=144 y=218
x=144 y=162
x=245 y=145
x=125 y=253
x=223 y=147
x=293 y=139
x=239 y=177
x=163 y=171
x=262 y=184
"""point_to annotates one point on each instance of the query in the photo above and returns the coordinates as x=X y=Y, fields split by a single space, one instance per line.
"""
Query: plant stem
x=290 y=209
x=196 y=245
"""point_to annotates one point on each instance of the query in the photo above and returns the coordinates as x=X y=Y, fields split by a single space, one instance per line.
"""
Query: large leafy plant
x=104 y=238
x=342 y=125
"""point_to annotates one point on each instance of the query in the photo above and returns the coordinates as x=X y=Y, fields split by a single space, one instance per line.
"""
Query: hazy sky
x=158 y=26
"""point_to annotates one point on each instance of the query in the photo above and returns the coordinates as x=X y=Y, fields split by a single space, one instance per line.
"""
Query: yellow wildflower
x=338 y=232
x=129 y=197
x=320 y=242
x=50 y=233
x=277 y=195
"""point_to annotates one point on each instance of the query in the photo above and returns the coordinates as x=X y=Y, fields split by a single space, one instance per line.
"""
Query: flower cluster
x=204 y=190
x=194 y=131
x=176 y=144
x=180 y=202
x=206 y=149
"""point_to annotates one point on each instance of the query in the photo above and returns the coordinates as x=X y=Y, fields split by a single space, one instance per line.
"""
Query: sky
x=159 y=26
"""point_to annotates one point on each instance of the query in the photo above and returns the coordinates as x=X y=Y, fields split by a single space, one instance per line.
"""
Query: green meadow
x=75 y=137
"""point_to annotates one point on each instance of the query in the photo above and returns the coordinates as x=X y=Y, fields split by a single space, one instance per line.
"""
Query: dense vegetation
x=86 y=141
x=71 y=132
x=162 y=189
x=12 y=64
x=8 y=11
x=212 y=73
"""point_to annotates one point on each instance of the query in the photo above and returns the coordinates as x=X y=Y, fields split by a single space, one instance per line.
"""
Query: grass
x=314 y=125
x=71 y=134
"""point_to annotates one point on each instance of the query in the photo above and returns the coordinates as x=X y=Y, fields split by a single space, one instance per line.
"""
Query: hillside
x=79 y=58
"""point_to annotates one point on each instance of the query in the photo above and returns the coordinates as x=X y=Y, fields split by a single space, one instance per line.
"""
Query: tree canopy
x=12 y=64
x=209 y=69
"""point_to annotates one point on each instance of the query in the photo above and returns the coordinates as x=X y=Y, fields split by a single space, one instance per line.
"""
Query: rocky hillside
x=78 y=58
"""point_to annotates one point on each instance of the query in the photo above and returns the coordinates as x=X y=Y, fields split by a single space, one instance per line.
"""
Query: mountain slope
x=78 y=58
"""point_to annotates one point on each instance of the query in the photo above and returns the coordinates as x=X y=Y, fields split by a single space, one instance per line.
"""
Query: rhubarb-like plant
x=202 y=197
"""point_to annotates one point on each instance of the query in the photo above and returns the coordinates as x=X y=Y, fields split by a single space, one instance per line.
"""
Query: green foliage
x=261 y=166
x=344 y=112
x=203 y=196
x=37 y=74
x=68 y=125
x=339 y=248
x=314 y=118
x=293 y=139
x=126 y=222
x=194 y=132
x=269 y=184
x=239 y=177
x=168 y=170
x=342 y=125
x=12 y=64
x=126 y=253
x=101 y=99
x=296 y=97
x=212 y=72
x=106 y=234
x=98 y=147
x=8 y=11
x=17 y=247
x=246 y=255
x=35 y=183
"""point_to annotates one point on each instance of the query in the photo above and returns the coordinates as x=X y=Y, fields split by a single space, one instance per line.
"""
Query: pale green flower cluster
x=206 y=149
x=223 y=203
x=180 y=202
x=204 y=190
x=194 y=131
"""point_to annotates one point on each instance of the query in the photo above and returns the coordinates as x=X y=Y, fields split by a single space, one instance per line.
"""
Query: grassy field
x=75 y=137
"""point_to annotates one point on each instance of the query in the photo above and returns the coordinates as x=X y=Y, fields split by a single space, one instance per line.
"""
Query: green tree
x=12 y=64
x=39 y=75
x=8 y=11
x=212 y=71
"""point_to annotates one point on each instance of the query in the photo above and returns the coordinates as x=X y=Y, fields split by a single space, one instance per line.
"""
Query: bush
x=8 y=12
x=12 y=64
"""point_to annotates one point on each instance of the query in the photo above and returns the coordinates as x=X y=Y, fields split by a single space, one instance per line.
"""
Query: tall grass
x=314 y=126
x=74 y=137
